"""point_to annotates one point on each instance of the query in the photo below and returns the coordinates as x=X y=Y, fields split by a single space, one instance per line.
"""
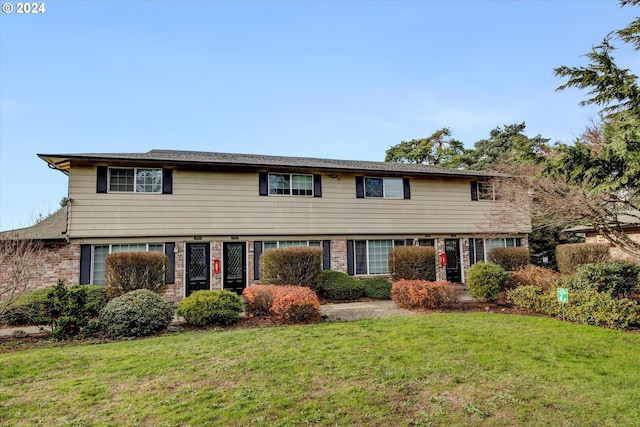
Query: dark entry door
x=198 y=271
x=235 y=267
x=454 y=269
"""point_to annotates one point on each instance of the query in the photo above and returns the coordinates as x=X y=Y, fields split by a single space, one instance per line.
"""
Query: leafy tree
x=438 y=149
x=502 y=142
x=605 y=161
x=593 y=181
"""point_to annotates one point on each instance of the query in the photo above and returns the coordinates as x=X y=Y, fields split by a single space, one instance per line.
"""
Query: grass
x=445 y=369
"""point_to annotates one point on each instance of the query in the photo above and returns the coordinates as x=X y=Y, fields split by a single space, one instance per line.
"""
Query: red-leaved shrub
x=296 y=304
x=287 y=304
x=424 y=294
x=258 y=299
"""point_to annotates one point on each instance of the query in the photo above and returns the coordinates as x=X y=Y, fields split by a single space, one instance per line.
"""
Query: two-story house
x=213 y=214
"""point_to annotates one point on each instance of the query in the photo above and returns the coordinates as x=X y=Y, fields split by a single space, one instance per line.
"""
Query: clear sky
x=329 y=79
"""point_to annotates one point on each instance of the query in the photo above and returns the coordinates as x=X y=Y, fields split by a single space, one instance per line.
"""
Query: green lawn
x=438 y=369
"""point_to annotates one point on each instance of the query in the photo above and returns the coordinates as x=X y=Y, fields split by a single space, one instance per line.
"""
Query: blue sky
x=327 y=79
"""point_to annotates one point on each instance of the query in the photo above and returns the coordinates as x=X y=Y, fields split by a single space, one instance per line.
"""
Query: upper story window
x=290 y=184
x=486 y=191
x=387 y=188
x=135 y=180
x=483 y=190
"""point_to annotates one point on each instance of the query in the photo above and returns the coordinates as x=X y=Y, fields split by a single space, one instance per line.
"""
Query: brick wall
x=56 y=262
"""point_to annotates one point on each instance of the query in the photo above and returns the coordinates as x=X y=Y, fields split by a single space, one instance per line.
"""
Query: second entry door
x=235 y=267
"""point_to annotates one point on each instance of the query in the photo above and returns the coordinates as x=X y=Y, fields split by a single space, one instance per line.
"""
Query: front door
x=198 y=277
x=454 y=269
x=235 y=267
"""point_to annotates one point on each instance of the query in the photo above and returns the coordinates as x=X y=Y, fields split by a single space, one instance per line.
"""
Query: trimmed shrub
x=376 y=287
x=300 y=264
x=413 y=263
x=209 y=308
x=135 y=314
x=585 y=306
x=570 y=256
x=424 y=294
x=533 y=275
x=28 y=309
x=258 y=299
x=511 y=258
x=486 y=281
x=340 y=286
x=296 y=304
x=617 y=278
x=129 y=271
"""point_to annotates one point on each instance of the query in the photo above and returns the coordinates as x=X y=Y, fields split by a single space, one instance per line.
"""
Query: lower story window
x=372 y=256
x=481 y=248
x=100 y=253
x=291 y=243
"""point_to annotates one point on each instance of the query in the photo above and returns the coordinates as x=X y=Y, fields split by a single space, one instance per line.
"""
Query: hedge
x=413 y=263
x=210 y=308
x=129 y=271
x=511 y=258
x=301 y=265
x=585 y=306
x=570 y=256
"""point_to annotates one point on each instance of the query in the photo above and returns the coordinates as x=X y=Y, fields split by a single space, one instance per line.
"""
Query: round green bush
x=486 y=280
x=208 y=308
x=28 y=309
x=377 y=288
x=135 y=314
x=340 y=286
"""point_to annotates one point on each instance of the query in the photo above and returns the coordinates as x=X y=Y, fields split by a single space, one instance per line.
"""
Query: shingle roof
x=53 y=227
x=61 y=161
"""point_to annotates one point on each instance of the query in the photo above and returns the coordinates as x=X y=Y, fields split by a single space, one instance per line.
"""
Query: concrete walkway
x=362 y=310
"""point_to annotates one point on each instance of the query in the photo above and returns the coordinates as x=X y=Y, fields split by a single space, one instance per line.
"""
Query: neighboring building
x=213 y=214
x=630 y=224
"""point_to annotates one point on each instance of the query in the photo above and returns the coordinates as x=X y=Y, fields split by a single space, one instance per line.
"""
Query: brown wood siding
x=208 y=203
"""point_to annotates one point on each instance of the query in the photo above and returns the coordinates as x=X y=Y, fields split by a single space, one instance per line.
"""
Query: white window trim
x=355 y=258
x=384 y=195
x=135 y=179
x=291 y=175
x=300 y=246
x=484 y=195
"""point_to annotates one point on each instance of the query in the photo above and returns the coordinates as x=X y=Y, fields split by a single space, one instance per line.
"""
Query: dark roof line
x=256 y=160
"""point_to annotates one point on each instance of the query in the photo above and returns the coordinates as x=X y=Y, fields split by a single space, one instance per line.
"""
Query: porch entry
x=198 y=274
x=454 y=266
x=235 y=266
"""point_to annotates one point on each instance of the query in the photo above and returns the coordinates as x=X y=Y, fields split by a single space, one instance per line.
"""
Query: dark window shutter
x=85 y=264
x=169 y=251
x=360 y=187
x=326 y=257
x=257 y=251
x=317 y=185
x=518 y=241
x=472 y=251
x=263 y=178
x=407 y=188
x=101 y=182
x=474 y=190
x=351 y=262
x=167 y=181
